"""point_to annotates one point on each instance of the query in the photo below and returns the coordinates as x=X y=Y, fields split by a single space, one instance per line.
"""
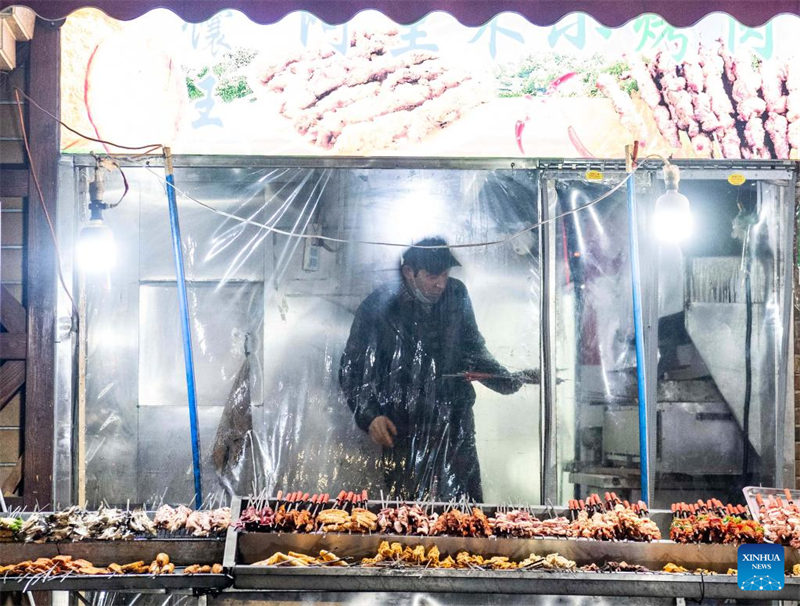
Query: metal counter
x=660 y=585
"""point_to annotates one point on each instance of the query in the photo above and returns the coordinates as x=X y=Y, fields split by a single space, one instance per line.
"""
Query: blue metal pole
x=185 y=330
x=638 y=325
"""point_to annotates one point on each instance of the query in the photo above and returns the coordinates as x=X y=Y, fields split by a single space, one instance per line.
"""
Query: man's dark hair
x=433 y=260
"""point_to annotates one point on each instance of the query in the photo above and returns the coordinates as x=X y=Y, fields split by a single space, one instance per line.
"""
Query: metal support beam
x=548 y=421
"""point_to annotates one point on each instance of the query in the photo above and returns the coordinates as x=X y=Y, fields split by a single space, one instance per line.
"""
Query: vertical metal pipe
x=80 y=426
x=649 y=258
x=789 y=205
x=185 y=328
x=547 y=421
x=638 y=324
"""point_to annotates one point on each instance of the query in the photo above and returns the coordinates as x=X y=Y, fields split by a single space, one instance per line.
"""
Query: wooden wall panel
x=11 y=414
x=11 y=267
x=11 y=229
x=9 y=445
x=14 y=187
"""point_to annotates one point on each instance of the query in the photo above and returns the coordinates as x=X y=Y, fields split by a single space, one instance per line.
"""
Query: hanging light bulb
x=96 y=251
x=672 y=218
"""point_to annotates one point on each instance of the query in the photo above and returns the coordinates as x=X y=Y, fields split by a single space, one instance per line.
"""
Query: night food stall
x=305 y=159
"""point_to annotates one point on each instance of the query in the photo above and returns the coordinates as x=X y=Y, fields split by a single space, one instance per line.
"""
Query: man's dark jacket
x=395 y=364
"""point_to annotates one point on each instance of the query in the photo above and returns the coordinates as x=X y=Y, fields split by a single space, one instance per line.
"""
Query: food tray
x=253 y=547
x=750 y=493
x=182 y=552
x=244 y=548
x=128 y=582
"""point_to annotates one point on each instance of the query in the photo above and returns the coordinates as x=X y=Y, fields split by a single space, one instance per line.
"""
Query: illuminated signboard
x=435 y=88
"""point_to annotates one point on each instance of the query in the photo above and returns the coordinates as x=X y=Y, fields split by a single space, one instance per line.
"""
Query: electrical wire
x=146 y=150
x=35 y=176
x=291 y=234
x=103 y=163
x=149 y=148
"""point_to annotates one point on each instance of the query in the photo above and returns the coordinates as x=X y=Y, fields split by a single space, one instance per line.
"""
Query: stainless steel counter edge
x=255 y=578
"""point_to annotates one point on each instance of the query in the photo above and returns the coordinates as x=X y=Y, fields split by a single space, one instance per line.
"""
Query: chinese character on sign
x=412 y=35
x=655 y=31
x=206 y=105
x=308 y=20
x=495 y=30
x=757 y=39
x=211 y=35
x=573 y=30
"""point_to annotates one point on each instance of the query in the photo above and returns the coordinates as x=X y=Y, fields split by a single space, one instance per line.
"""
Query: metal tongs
x=471 y=375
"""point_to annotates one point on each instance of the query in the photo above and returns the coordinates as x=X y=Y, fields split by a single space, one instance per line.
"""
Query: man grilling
x=406 y=369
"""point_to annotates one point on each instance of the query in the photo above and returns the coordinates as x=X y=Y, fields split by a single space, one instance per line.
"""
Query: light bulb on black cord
x=672 y=218
x=96 y=251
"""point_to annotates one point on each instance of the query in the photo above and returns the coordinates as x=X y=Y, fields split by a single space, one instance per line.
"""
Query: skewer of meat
x=677 y=98
x=323 y=503
x=773 y=79
x=726 y=135
x=650 y=94
x=573 y=508
x=745 y=87
x=703 y=115
x=628 y=114
x=792 y=84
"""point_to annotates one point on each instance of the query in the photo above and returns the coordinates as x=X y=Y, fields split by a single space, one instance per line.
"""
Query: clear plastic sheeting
x=271 y=314
x=301 y=343
x=593 y=322
x=736 y=322
x=716 y=319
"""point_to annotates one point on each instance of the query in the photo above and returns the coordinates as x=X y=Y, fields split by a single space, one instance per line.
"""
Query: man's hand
x=382 y=430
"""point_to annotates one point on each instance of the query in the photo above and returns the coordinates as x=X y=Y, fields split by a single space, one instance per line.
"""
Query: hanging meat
x=725 y=105
x=375 y=96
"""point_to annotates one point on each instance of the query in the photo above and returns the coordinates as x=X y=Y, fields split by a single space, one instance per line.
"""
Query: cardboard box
x=22 y=21
x=8 y=46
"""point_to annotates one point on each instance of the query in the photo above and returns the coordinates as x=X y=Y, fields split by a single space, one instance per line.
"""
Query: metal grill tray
x=750 y=493
x=182 y=551
x=697 y=587
x=244 y=548
x=253 y=547
x=128 y=582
